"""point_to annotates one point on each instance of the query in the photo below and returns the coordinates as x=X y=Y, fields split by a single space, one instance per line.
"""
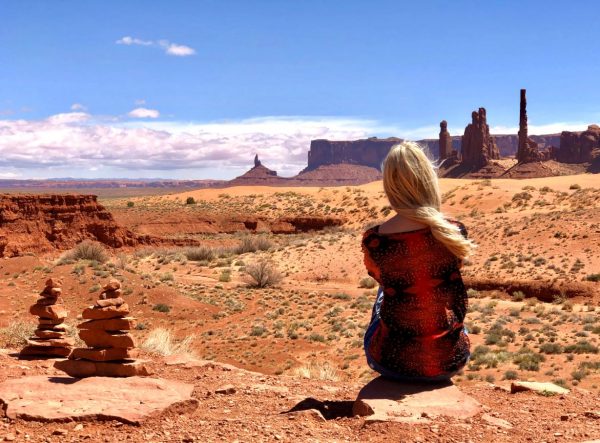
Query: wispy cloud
x=170 y=48
x=78 y=107
x=144 y=113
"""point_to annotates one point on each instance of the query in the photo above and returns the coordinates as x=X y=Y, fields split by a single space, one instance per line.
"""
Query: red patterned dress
x=417 y=328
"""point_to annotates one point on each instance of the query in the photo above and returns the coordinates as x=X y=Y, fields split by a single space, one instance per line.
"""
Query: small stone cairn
x=111 y=350
x=49 y=339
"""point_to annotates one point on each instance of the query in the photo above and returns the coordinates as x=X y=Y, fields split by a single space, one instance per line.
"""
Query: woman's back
x=420 y=331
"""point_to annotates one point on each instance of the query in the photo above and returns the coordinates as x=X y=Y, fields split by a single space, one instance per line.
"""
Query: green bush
x=130 y=204
x=367 y=282
x=190 y=201
x=593 y=277
x=551 y=348
x=582 y=347
x=528 y=360
x=511 y=375
x=161 y=307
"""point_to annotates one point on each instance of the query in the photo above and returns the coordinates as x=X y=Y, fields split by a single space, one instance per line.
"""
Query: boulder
x=86 y=368
x=104 y=354
x=387 y=400
x=53 y=312
x=103 y=303
x=127 y=400
x=111 y=324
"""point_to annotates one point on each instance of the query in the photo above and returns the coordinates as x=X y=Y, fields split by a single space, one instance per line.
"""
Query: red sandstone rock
x=478 y=146
x=112 y=285
x=368 y=152
x=98 y=338
x=86 y=368
x=42 y=223
x=111 y=324
x=579 y=147
x=44 y=351
x=127 y=400
x=95 y=313
x=445 y=141
x=53 y=312
x=48 y=333
x=528 y=149
x=49 y=301
x=110 y=302
x=104 y=354
x=50 y=322
x=50 y=342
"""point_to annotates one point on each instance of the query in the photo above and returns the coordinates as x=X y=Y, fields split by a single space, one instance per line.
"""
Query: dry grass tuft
x=15 y=335
x=263 y=274
x=160 y=341
x=317 y=371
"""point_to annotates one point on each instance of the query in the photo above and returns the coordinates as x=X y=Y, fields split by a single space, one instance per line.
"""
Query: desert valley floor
x=534 y=288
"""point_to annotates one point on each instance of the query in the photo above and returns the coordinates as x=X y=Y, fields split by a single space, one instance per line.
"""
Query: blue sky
x=192 y=89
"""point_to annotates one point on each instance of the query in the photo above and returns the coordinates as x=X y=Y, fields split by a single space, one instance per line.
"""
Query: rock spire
x=528 y=149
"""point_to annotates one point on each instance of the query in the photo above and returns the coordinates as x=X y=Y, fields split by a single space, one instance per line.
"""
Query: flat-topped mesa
x=366 y=152
x=579 y=147
x=478 y=146
x=50 y=338
x=527 y=150
x=111 y=349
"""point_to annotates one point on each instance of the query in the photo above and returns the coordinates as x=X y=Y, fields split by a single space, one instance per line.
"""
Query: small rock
x=547 y=387
x=78 y=427
x=496 y=421
x=592 y=414
x=9 y=437
x=226 y=390
x=60 y=432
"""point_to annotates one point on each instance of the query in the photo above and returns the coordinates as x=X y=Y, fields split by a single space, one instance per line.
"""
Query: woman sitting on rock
x=416 y=331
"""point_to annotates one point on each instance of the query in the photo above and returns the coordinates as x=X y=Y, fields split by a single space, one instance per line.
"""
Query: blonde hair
x=411 y=185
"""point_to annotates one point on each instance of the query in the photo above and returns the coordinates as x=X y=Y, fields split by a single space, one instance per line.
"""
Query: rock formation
x=257 y=161
x=43 y=223
x=111 y=349
x=49 y=338
x=445 y=141
x=478 y=146
x=579 y=147
x=258 y=175
x=527 y=151
x=367 y=152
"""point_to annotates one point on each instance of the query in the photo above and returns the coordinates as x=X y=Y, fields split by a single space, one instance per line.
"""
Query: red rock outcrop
x=42 y=223
x=259 y=175
x=527 y=151
x=367 y=152
x=579 y=147
x=445 y=141
x=478 y=146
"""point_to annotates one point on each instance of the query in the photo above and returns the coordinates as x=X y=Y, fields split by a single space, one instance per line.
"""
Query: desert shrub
x=582 y=347
x=367 y=282
x=16 y=334
x=511 y=375
x=528 y=360
x=262 y=274
x=518 y=296
x=579 y=374
x=249 y=244
x=161 y=307
x=472 y=293
x=190 y=201
x=225 y=275
x=593 y=277
x=317 y=371
x=130 y=204
x=160 y=341
x=167 y=276
x=88 y=250
x=551 y=348
x=199 y=253
x=95 y=288
x=575 y=186
x=257 y=331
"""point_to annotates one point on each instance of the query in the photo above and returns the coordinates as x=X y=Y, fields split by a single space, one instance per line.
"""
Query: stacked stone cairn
x=49 y=339
x=111 y=350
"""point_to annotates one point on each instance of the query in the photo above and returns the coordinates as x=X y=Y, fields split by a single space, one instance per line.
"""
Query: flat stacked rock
x=49 y=339
x=111 y=350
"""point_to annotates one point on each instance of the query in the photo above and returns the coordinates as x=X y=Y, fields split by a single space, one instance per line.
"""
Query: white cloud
x=127 y=40
x=177 y=50
x=77 y=141
x=169 y=48
x=78 y=107
x=144 y=113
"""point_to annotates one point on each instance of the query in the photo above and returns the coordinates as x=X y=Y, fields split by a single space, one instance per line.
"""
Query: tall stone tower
x=528 y=149
x=445 y=141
